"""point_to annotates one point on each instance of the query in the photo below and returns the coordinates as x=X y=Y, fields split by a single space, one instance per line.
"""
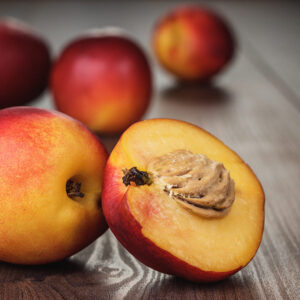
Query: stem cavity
x=135 y=177
x=73 y=189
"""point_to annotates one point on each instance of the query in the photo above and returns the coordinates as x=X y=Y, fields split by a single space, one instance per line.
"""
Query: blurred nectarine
x=193 y=43
x=24 y=64
x=102 y=80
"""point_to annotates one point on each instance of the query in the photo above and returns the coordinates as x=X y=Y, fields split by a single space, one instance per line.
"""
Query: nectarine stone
x=193 y=180
x=159 y=220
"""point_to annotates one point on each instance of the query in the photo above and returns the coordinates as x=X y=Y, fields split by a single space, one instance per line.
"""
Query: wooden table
x=254 y=107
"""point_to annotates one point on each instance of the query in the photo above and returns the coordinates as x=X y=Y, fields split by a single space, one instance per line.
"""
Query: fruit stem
x=136 y=177
x=73 y=189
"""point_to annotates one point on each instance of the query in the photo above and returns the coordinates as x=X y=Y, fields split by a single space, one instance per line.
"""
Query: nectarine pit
x=199 y=184
x=196 y=182
x=73 y=189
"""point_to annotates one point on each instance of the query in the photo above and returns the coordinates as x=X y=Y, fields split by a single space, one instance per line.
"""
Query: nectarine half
x=182 y=202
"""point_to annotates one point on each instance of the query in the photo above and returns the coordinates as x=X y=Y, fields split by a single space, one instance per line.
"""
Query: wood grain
x=252 y=107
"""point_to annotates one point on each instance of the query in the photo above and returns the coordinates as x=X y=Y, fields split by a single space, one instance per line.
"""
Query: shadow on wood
x=206 y=94
x=176 y=288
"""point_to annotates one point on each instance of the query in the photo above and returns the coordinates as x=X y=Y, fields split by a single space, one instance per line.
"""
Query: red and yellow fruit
x=104 y=81
x=193 y=43
x=197 y=242
x=51 y=170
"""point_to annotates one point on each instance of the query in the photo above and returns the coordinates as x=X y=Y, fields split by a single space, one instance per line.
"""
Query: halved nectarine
x=182 y=202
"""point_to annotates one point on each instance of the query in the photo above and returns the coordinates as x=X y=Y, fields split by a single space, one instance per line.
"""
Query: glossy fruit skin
x=104 y=81
x=193 y=43
x=40 y=151
x=24 y=64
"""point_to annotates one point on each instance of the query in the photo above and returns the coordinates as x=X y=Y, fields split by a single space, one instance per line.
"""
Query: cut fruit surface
x=166 y=235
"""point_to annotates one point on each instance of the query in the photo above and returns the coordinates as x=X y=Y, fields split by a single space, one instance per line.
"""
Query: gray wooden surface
x=254 y=107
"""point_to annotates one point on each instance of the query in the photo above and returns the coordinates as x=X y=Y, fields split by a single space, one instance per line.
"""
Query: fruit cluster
x=175 y=196
x=101 y=75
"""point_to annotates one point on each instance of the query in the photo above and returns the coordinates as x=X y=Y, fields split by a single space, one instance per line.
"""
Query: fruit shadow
x=109 y=141
x=39 y=272
x=231 y=286
x=74 y=266
x=203 y=93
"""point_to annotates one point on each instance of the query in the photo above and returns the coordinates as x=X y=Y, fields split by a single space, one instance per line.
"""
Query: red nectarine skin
x=103 y=81
x=193 y=43
x=24 y=65
x=40 y=151
x=128 y=232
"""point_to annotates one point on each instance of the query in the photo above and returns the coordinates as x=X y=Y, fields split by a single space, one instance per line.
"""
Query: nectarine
x=24 y=64
x=104 y=81
x=193 y=43
x=51 y=170
x=181 y=201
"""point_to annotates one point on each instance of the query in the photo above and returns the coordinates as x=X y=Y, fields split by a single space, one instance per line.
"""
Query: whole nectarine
x=181 y=201
x=24 y=64
x=102 y=80
x=51 y=170
x=193 y=43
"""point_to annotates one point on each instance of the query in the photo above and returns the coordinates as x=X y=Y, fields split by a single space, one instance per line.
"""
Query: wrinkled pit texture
x=196 y=182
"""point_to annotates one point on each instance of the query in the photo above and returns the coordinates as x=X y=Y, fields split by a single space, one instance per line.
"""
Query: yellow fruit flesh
x=218 y=245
